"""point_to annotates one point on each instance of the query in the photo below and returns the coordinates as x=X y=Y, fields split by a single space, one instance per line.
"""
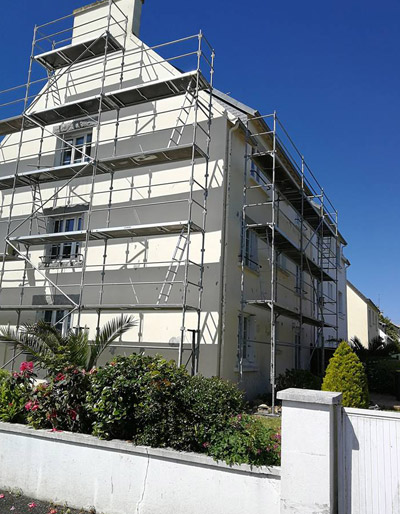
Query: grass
x=273 y=422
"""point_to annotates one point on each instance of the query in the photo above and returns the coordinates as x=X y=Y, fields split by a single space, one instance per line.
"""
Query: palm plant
x=376 y=348
x=54 y=352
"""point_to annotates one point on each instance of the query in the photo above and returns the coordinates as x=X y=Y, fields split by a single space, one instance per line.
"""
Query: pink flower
x=239 y=417
x=35 y=406
x=73 y=414
x=28 y=406
x=2 y=496
x=52 y=511
x=206 y=445
x=59 y=377
x=26 y=366
x=12 y=508
x=55 y=430
x=15 y=374
x=32 y=505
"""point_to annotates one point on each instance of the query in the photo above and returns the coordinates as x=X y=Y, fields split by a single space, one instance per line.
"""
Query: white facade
x=362 y=316
x=81 y=246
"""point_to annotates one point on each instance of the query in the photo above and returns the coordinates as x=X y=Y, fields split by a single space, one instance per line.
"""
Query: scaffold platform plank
x=290 y=249
x=131 y=307
x=143 y=230
x=288 y=313
x=79 y=52
x=128 y=97
x=106 y=165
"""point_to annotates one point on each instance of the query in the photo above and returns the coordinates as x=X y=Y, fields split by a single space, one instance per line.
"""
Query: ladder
x=172 y=272
x=37 y=204
x=54 y=92
x=183 y=117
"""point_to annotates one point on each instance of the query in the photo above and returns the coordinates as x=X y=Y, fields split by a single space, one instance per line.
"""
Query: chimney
x=92 y=18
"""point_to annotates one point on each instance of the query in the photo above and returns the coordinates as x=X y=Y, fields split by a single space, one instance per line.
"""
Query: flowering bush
x=59 y=403
x=15 y=391
x=245 y=440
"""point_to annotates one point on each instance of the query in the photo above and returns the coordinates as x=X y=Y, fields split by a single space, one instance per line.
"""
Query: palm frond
x=109 y=333
x=30 y=343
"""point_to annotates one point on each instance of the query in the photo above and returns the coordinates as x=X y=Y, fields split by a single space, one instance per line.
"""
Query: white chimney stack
x=89 y=18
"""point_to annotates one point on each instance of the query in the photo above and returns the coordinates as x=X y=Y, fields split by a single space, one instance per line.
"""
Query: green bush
x=15 y=391
x=4 y=374
x=153 y=402
x=345 y=373
x=246 y=440
x=59 y=404
x=300 y=378
x=381 y=375
x=135 y=398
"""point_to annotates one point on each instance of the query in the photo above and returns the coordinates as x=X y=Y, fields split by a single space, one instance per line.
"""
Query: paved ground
x=385 y=401
x=15 y=503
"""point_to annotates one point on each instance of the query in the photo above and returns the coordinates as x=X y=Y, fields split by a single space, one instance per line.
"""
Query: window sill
x=247 y=368
x=255 y=272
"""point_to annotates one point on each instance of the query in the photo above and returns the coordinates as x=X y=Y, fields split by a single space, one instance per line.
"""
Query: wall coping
x=126 y=447
x=310 y=396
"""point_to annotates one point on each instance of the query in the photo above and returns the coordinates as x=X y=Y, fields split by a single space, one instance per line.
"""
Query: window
x=59 y=319
x=70 y=249
x=251 y=250
x=248 y=339
x=258 y=176
x=281 y=261
x=340 y=300
x=76 y=149
x=298 y=286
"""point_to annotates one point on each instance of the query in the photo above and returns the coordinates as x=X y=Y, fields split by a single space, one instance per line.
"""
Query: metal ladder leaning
x=172 y=272
x=183 y=116
x=37 y=204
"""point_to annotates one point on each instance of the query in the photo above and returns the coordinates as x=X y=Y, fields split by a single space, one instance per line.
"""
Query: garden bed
x=15 y=503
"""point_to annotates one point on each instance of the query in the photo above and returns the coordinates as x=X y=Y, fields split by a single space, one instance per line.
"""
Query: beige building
x=362 y=316
x=129 y=184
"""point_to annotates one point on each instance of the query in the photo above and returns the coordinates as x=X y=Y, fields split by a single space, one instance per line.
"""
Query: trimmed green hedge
x=345 y=373
x=381 y=375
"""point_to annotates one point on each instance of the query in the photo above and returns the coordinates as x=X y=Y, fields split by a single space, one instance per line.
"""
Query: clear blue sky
x=330 y=69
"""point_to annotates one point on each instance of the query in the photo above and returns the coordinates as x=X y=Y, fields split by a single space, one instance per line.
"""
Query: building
x=362 y=316
x=131 y=185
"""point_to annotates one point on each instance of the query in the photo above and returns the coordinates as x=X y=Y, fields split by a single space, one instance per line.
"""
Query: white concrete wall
x=118 y=478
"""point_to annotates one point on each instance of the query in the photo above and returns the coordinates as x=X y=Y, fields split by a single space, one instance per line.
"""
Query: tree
x=377 y=348
x=54 y=352
x=345 y=374
x=390 y=328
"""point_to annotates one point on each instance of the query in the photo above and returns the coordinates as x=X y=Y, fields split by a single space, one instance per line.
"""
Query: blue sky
x=331 y=71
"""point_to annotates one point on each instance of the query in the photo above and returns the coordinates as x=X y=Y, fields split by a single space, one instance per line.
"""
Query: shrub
x=209 y=405
x=59 y=404
x=246 y=440
x=153 y=402
x=346 y=374
x=135 y=398
x=15 y=390
x=300 y=378
x=381 y=375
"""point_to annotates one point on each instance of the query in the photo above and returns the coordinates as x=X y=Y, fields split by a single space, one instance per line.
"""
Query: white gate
x=369 y=462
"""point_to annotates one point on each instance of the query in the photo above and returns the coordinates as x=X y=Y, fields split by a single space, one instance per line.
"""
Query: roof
x=241 y=110
x=367 y=300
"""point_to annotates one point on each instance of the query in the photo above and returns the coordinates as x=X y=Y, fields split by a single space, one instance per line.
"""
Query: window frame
x=75 y=149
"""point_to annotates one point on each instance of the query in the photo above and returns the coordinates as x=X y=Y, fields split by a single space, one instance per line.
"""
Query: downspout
x=224 y=240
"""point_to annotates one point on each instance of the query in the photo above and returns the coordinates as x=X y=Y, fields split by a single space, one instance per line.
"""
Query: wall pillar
x=309 y=451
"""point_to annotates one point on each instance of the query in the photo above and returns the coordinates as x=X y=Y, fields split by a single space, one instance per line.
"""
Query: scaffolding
x=294 y=219
x=72 y=56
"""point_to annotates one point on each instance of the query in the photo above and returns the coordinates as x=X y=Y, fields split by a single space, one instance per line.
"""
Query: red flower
x=55 y=430
x=2 y=496
x=28 y=406
x=32 y=505
x=52 y=511
x=73 y=414
x=59 y=377
x=206 y=445
x=26 y=366
x=35 y=406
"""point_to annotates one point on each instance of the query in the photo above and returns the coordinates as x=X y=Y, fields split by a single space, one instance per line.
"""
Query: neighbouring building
x=129 y=184
x=362 y=316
